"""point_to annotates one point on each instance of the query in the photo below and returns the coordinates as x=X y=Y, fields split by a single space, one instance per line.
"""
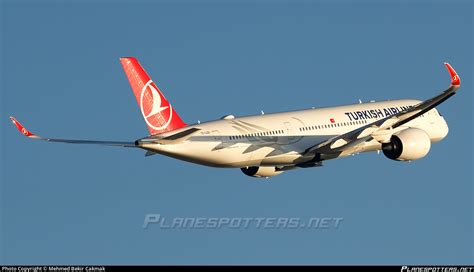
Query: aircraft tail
x=158 y=113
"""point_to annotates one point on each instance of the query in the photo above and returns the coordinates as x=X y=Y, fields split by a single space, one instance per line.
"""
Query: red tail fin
x=157 y=111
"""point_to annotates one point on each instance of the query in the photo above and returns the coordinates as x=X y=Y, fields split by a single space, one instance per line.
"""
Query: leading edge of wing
x=23 y=130
x=425 y=106
x=389 y=122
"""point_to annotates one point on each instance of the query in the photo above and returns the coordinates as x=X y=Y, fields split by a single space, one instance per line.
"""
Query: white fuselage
x=281 y=139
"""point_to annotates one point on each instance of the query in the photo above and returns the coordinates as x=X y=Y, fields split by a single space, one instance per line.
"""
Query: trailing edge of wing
x=31 y=135
x=366 y=132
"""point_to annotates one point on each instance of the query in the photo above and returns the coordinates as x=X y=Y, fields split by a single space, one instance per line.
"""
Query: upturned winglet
x=455 y=80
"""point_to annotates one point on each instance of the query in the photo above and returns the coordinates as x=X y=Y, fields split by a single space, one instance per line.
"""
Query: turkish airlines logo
x=152 y=108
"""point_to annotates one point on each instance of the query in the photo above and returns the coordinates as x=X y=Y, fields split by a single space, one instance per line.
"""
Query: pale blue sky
x=60 y=76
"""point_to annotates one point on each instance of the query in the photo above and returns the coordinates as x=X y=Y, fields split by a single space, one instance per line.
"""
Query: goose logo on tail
x=156 y=115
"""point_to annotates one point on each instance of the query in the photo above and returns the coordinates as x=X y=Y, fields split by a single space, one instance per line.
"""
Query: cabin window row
x=343 y=124
x=265 y=133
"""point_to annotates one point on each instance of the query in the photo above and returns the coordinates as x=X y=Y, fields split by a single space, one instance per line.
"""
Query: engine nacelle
x=261 y=171
x=407 y=145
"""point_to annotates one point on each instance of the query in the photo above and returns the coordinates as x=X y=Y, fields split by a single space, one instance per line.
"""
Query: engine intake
x=261 y=171
x=407 y=145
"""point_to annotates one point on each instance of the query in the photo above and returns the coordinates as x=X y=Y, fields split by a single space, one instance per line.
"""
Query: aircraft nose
x=443 y=130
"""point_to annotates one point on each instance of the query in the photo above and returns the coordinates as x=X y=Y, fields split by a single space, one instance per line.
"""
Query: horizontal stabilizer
x=173 y=138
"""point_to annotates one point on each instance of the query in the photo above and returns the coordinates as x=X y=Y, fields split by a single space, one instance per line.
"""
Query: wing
x=381 y=129
x=28 y=134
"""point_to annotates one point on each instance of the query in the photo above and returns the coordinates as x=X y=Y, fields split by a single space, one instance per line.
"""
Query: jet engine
x=407 y=145
x=261 y=171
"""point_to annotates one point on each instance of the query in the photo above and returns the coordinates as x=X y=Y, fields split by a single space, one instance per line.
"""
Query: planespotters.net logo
x=437 y=269
x=315 y=223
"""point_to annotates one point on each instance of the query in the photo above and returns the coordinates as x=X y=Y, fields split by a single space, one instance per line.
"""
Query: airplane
x=267 y=145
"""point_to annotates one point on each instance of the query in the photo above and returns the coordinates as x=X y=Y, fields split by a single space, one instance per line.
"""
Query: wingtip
x=455 y=80
x=122 y=59
x=21 y=128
